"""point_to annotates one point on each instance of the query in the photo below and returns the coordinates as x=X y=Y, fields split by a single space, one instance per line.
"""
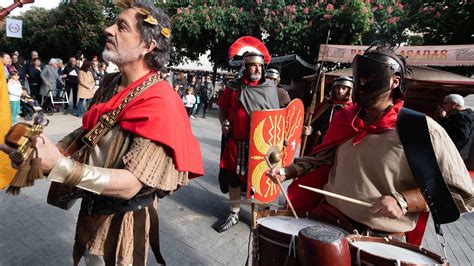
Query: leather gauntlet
x=416 y=201
x=72 y=173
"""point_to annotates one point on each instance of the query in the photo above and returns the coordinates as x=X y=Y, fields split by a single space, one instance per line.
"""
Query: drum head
x=286 y=224
x=392 y=252
x=323 y=233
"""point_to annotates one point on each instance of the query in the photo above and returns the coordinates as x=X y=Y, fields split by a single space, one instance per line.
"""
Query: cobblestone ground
x=33 y=233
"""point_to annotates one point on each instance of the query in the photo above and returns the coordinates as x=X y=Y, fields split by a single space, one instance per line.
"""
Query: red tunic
x=240 y=125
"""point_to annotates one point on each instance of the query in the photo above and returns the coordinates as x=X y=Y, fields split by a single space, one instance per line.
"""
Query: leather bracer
x=416 y=201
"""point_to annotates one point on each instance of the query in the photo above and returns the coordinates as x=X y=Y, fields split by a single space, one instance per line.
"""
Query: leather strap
x=414 y=135
x=415 y=200
x=155 y=234
x=108 y=120
x=139 y=241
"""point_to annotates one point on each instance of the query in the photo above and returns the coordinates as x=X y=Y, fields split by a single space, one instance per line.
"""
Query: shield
x=271 y=131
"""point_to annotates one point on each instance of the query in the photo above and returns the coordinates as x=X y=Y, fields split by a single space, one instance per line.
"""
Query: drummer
x=362 y=157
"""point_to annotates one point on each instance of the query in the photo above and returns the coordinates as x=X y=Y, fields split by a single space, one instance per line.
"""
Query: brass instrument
x=23 y=137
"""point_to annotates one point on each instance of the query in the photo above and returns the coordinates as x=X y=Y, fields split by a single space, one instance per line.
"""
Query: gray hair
x=455 y=98
x=53 y=61
x=159 y=56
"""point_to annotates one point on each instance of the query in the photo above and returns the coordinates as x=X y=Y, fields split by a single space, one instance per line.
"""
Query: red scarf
x=344 y=126
x=156 y=114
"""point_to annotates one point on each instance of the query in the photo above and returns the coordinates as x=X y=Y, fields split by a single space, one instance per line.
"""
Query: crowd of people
x=133 y=152
x=41 y=82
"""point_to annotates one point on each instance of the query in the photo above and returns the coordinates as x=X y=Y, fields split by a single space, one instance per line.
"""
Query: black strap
x=414 y=135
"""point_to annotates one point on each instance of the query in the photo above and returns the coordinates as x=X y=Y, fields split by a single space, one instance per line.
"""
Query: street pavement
x=34 y=233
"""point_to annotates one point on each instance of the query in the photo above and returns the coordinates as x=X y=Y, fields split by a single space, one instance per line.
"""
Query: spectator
x=71 y=72
x=7 y=64
x=20 y=68
x=103 y=69
x=34 y=78
x=176 y=89
x=86 y=87
x=49 y=79
x=95 y=69
x=458 y=121
x=189 y=101
x=14 y=91
x=60 y=85
x=207 y=91
x=30 y=63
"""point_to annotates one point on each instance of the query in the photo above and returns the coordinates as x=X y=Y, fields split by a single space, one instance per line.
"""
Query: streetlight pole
x=17 y=3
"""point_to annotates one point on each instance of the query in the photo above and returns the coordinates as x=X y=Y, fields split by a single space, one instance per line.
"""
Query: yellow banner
x=6 y=171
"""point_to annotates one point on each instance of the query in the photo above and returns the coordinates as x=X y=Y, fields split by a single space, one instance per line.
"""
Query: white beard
x=122 y=57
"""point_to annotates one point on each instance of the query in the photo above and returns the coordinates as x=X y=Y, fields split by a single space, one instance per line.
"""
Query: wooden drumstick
x=283 y=190
x=334 y=195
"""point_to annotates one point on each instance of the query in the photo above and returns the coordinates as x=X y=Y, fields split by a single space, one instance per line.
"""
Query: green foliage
x=62 y=31
x=442 y=22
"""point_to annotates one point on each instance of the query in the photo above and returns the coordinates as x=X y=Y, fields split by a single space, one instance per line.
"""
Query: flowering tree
x=442 y=22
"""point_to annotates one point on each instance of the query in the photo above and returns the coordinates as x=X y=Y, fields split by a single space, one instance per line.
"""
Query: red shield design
x=272 y=130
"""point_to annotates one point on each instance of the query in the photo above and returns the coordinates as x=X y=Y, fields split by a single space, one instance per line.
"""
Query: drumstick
x=282 y=190
x=334 y=195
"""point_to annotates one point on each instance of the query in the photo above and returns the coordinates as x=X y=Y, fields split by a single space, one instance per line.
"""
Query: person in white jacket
x=189 y=100
x=15 y=92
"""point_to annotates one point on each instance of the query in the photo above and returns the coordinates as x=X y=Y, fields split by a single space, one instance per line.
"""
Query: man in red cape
x=362 y=157
x=251 y=92
x=324 y=112
x=147 y=153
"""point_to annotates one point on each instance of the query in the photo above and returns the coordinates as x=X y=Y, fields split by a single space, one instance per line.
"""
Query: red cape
x=344 y=126
x=157 y=114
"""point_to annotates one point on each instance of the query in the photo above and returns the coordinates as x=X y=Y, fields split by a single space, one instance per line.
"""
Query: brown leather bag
x=60 y=195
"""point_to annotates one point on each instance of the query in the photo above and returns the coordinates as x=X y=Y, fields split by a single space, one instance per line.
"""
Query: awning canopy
x=426 y=88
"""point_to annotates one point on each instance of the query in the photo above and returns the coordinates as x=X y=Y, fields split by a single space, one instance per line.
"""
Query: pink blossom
x=399 y=5
x=284 y=13
x=277 y=30
x=371 y=21
x=364 y=10
x=241 y=9
x=374 y=8
x=186 y=10
x=393 y=20
x=438 y=14
x=380 y=6
x=179 y=10
x=306 y=10
x=330 y=7
x=316 y=4
x=302 y=1
x=344 y=6
x=327 y=16
x=281 y=25
x=389 y=9
x=274 y=13
x=258 y=2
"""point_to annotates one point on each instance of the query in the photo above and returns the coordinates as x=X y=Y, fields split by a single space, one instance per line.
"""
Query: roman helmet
x=342 y=81
x=252 y=50
x=273 y=74
x=373 y=70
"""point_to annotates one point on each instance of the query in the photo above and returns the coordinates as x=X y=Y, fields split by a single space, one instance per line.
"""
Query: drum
x=323 y=244
x=367 y=250
x=278 y=240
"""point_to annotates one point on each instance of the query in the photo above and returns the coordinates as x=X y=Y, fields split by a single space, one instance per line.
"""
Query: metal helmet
x=372 y=72
x=253 y=58
x=272 y=74
x=343 y=81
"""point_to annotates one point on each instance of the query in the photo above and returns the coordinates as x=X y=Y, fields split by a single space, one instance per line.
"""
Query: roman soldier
x=283 y=96
x=339 y=97
x=251 y=92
